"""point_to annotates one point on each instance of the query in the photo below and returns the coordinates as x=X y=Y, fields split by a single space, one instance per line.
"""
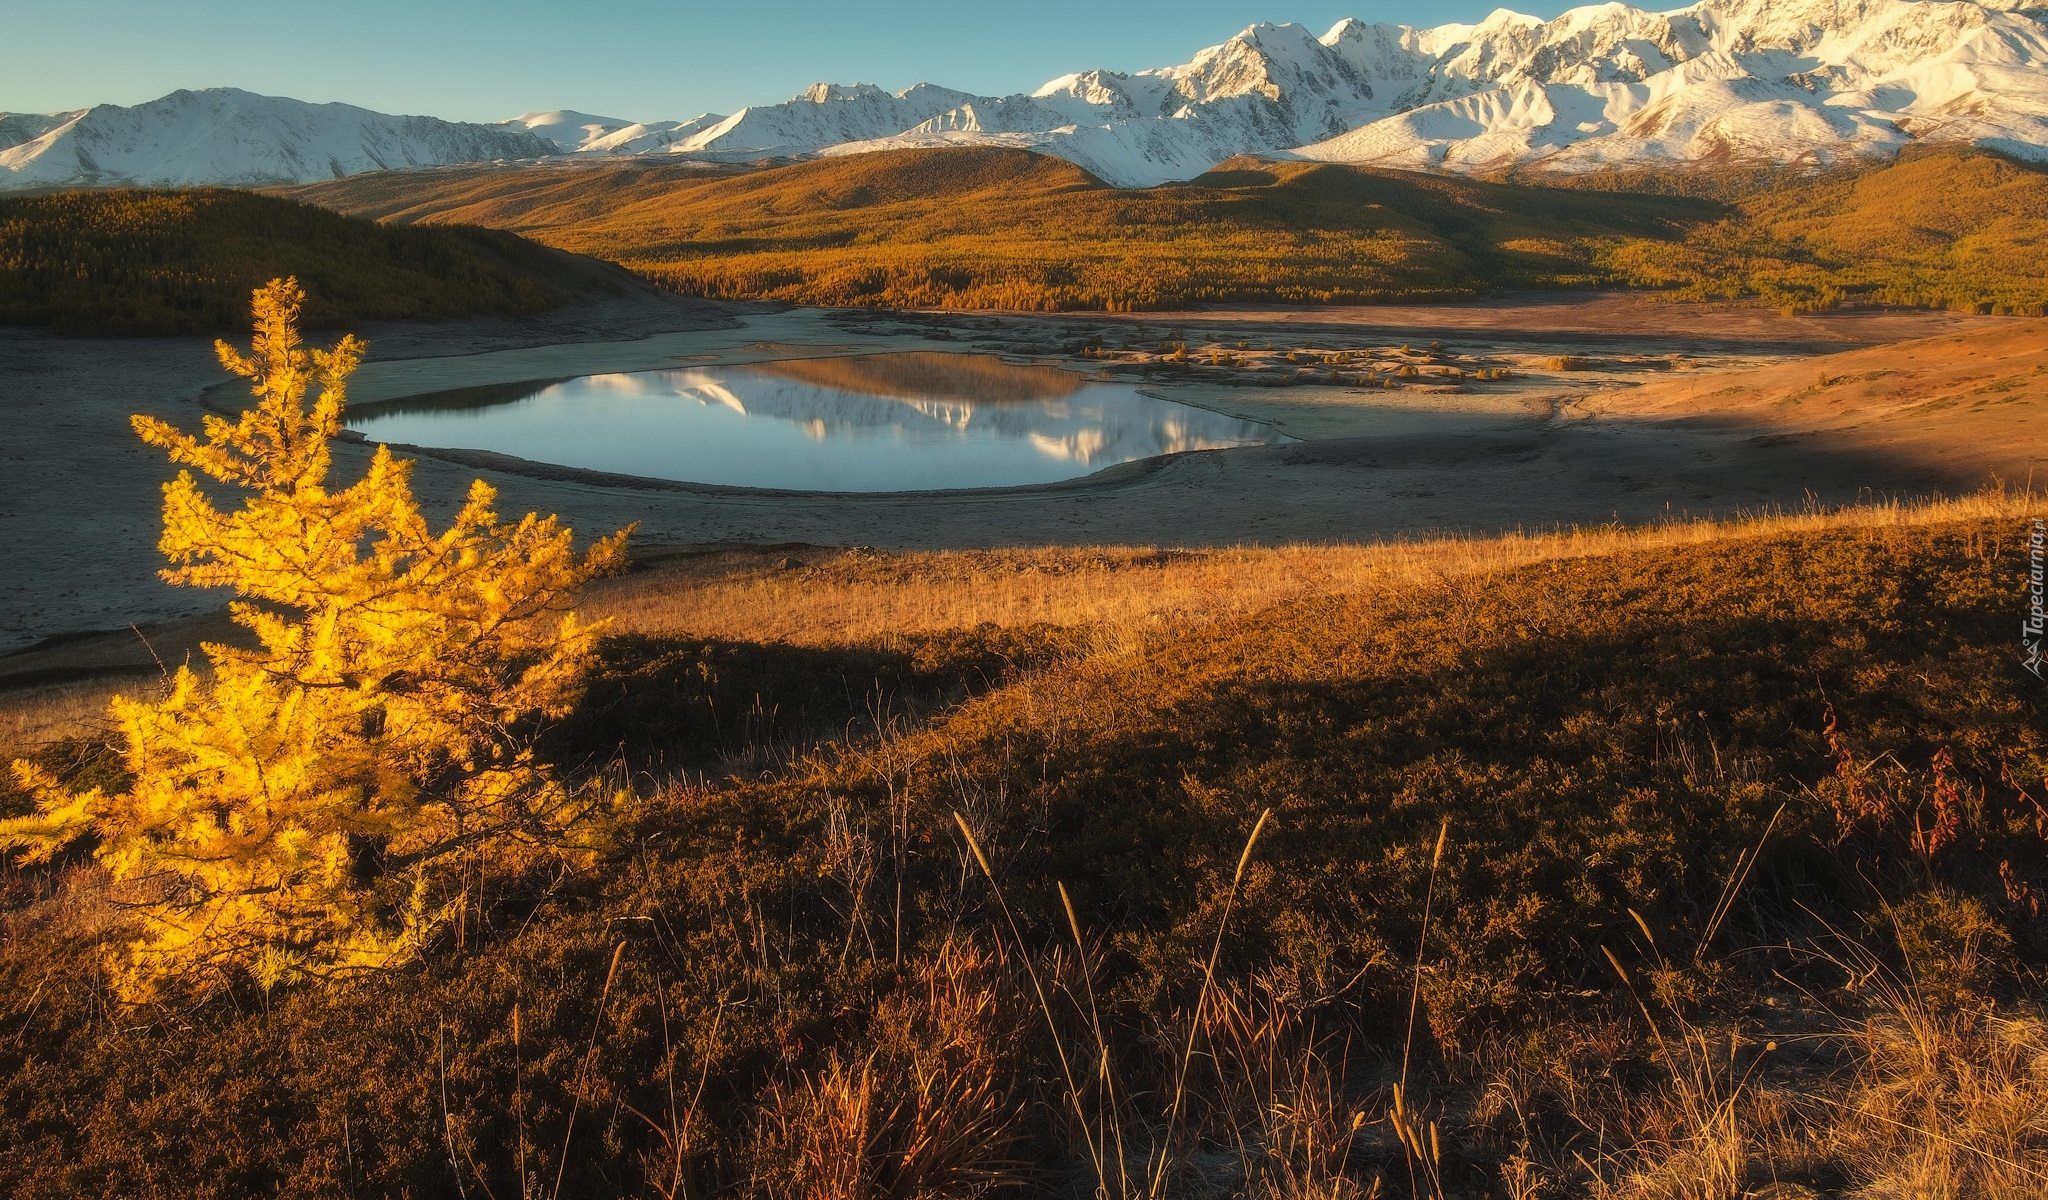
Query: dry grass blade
x=1180 y=1082
x=1726 y=904
x=583 y=1068
x=1095 y=1152
x=447 y=1120
x=519 y=1101
x=1415 y=988
x=1113 y=1138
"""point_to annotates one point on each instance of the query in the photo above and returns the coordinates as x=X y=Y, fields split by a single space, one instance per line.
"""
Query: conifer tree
x=297 y=812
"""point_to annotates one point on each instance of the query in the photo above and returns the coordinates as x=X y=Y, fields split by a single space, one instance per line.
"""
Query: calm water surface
x=883 y=422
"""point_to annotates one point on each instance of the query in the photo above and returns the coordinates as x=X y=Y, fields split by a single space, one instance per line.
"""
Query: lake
x=872 y=423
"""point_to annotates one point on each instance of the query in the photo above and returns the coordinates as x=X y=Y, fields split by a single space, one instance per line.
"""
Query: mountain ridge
x=226 y=136
x=1798 y=82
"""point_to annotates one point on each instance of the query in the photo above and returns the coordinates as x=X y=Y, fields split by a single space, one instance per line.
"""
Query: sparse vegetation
x=1699 y=862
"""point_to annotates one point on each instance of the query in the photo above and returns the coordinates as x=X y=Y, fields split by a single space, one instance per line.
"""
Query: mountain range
x=1722 y=81
x=228 y=136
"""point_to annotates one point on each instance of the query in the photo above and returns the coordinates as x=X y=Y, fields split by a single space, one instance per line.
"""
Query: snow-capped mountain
x=1720 y=81
x=575 y=133
x=16 y=128
x=570 y=131
x=1723 y=80
x=227 y=136
x=1726 y=80
x=650 y=137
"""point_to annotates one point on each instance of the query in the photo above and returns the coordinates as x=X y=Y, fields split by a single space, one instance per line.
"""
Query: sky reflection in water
x=885 y=422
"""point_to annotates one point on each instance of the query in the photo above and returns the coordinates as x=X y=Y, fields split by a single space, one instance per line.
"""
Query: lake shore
x=80 y=496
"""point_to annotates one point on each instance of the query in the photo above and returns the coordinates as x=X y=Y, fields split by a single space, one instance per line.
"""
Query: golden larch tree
x=297 y=812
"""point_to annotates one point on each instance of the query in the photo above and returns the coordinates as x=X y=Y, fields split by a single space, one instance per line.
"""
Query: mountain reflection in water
x=883 y=422
x=928 y=375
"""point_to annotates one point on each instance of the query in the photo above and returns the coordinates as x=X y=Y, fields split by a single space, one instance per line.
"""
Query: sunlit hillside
x=1010 y=229
x=157 y=262
x=1937 y=229
x=985 y=228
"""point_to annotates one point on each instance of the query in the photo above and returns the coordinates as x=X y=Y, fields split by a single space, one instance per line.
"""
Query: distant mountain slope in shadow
x=169 y=262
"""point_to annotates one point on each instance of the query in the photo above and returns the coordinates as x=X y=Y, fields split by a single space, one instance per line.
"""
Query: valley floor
x=1738 y=846
x=1677 y=411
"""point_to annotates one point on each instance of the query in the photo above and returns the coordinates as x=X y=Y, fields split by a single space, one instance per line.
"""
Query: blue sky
x=636 y=59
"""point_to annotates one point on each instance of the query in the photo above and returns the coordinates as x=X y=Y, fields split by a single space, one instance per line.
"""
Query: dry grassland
x=847 y=597
x=996 y=228
x=148 y=261
x=35 y=716
x=825 y=597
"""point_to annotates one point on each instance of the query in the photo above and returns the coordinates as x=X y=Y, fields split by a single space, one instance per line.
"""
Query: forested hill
x=1937 y=228
x=174 y=262
x=1001 y=228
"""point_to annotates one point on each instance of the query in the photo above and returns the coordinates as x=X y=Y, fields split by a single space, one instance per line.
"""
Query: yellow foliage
x=289 y=816
x=992 y=227
x=1942 y=228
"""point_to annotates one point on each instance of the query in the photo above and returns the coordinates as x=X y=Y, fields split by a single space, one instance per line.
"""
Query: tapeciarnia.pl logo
x=2034 y=624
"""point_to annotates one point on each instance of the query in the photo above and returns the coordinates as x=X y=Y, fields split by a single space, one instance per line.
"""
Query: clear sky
x=634 y=59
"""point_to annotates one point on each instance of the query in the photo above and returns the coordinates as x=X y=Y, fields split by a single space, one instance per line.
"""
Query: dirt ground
x=1965 y=406
x=1644 y=432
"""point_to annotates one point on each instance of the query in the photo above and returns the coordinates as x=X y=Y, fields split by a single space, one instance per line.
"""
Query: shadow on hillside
x=1602 y=738
x=668 y=704
x=1606 y=736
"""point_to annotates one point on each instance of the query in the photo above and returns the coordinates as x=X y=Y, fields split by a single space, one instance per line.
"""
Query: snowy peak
x=576 y=133
x=1725 y=80
x=570 y=131
x=16 y=128
x=650 y=137
x=228 y=136
x=828 y=93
